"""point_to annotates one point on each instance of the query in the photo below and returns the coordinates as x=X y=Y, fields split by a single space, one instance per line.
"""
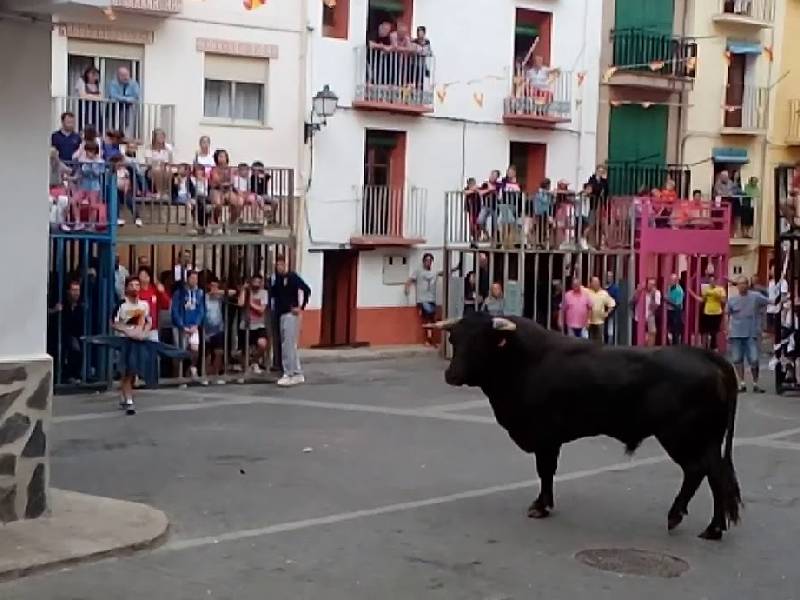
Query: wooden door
x=734 y=95
x=339 y=294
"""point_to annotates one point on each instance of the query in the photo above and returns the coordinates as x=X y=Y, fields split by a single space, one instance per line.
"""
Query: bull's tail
x=732 y=493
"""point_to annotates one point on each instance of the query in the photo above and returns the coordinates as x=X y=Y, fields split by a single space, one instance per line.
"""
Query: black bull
x=547 y=390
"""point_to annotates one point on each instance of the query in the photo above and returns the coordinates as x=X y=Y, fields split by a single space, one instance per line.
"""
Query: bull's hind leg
x=715 y=480
x=693 y=474
x=546 y=463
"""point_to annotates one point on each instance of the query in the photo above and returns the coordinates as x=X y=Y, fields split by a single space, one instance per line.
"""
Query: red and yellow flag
x=253 y=4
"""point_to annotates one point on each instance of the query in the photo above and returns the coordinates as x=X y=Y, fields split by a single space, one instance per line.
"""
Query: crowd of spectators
x=218 y=322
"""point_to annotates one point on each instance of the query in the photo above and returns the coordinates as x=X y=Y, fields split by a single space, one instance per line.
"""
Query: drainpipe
x=765 y=147
x=302 y=148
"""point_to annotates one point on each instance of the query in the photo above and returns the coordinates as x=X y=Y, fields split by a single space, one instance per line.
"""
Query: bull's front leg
x=546 y=463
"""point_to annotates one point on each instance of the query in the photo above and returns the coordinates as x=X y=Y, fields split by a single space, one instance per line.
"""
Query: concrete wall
x=460 y=139
x=25 y=388
x=173 y=73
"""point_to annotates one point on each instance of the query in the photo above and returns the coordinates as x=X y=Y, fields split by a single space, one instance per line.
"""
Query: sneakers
x=127 y=405
x=220 y=382
x=138 y=222
x=193 y=372
x=120 y=222
x=256 y=369
x=290 y=380
x=742 y=387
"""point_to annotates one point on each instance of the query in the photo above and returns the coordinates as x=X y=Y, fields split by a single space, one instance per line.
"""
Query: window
x=235 y=89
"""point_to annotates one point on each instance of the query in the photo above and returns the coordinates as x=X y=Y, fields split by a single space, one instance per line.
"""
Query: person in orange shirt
x=669 y=194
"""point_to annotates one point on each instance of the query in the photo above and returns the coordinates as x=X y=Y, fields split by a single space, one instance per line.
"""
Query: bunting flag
x=768 y=50
x=656 y=65
x=254 y=4
x=691 y=64
x=728 y=56
x=478 y=97
x=646 y=105
x=609 y=74
x=109 y=13
x=441 y=93
x=581 y=75
x=729 y=108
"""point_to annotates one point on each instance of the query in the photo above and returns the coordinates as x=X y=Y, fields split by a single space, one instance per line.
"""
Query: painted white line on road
x=455 y=406
x=227 y=401
x=775 y=444
x=234 y=536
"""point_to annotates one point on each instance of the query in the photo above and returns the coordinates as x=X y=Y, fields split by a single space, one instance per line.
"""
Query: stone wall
x=25 y=409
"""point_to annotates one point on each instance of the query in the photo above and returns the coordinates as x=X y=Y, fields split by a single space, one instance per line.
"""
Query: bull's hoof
x=673 y=521
x=712 y=532
x=538 y=510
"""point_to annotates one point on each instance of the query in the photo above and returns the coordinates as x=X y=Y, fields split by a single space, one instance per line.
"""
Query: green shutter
x=638 y=135
x=654 y=15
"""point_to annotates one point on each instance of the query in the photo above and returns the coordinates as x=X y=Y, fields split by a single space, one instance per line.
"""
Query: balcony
x=156 y=8
x=758 y=14
x=744 y=110
x=399 y=82
x=140 y=203
x=682 y=227
x=390 y=216
x=539 y=104
x=648 y=59
x=552 y=221
x=136 y=121
x=793 y=135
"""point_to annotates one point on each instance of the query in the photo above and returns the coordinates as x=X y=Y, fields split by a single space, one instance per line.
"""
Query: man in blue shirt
x=744 y=328
x=188 y=313
x=675 y=298
x=66 y=140
x=125 y=91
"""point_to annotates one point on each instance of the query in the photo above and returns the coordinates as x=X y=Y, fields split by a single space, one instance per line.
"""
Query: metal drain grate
x=633 y=561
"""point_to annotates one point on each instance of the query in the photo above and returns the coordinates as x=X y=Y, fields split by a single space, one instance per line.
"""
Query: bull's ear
x=442 y=325
x=501 y=324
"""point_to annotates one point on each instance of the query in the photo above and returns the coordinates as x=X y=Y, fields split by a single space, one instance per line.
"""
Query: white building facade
x=408 y=130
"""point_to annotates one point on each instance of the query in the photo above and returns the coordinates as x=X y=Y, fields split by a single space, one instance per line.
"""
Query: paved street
x=376 y=480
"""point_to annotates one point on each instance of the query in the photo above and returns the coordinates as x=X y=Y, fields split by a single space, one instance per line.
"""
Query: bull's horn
x=443 y=325
x=501 y=324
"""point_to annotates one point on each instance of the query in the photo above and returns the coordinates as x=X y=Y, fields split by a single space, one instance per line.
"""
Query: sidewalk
x=81 y=528
x=366 y=353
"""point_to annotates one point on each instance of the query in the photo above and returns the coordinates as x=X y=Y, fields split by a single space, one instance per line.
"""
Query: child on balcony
x=259 y=184
x=125 y=195
x=87 y=200
x=182 y=189
x=199 y=180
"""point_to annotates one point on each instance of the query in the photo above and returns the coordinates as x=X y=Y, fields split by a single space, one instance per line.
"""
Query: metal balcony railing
x=83 y=197
x=391 y=212
x=545 y=221
x=136 y=121
x=745 y=107
x=756 y=10
x=394 y=78
x=793 y=134
x=630 y=178
x=647 y=49
x=548 y=97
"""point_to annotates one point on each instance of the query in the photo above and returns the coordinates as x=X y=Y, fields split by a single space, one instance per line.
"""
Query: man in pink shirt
x=575 y=309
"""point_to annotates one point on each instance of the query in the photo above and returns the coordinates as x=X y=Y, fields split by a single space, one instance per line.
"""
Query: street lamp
x=323 y=105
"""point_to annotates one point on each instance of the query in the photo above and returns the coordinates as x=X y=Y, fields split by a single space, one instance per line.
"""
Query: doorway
x=734 y=94
x=339 y=296
x=530 y=160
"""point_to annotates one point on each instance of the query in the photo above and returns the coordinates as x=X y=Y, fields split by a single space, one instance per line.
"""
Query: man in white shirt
x=777 y=292
x=184 y=266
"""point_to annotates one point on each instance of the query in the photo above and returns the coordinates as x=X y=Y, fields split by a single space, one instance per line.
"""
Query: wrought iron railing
x=653 y=52
x=394 y=77
x=548 y=96
x=391 y=212
x=745 y=107
x=136 y=121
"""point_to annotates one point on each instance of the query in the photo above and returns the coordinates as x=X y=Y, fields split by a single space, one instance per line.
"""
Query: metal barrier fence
x=137 y=120
x=548 y=99
x=394 y=77
x=762 y=10
x=227 y=345
x=654 y=52
x=628 y=179
x=545 y=221
x=745 y=107
x=393 y=212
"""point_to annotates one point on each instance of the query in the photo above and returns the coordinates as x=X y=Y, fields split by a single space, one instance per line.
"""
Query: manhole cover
x=632 y=561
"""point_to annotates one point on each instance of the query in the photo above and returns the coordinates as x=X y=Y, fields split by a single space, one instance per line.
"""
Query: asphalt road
x=376 y=480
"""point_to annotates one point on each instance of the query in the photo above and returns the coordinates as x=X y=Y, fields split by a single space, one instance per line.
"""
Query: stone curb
x=152 y=540
x=347 y=356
